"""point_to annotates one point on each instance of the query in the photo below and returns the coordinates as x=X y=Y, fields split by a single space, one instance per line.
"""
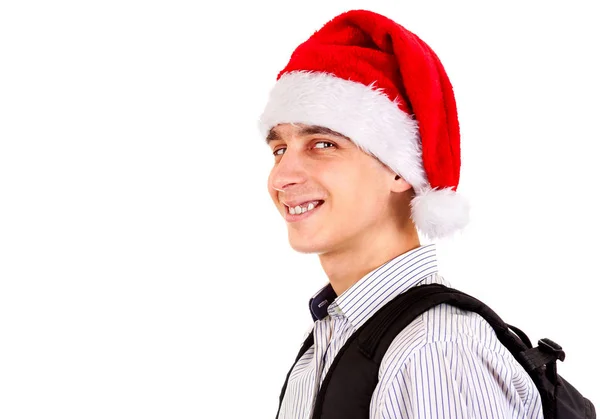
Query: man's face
x=352 y=187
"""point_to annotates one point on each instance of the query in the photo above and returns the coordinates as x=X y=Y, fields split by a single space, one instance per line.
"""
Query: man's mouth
x=304 y=207
x=302 y=211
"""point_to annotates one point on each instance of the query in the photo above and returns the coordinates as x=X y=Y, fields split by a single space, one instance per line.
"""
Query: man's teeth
x=301 y=210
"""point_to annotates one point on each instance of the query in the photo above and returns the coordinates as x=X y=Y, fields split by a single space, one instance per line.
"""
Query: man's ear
x=400 y=185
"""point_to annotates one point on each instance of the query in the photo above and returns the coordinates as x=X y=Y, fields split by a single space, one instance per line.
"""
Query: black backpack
x=358 y=360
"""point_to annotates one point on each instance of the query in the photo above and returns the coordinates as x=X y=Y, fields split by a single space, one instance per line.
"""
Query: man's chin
x=304 y=245
x=317 y=245
x=304 y=248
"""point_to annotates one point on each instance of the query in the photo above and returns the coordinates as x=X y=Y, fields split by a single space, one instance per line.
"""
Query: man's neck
x=345 y=267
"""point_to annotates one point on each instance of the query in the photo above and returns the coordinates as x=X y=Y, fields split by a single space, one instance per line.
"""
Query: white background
x=144 y=271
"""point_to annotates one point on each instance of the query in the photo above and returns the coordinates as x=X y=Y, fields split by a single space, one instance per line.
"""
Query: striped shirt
x=448 y=363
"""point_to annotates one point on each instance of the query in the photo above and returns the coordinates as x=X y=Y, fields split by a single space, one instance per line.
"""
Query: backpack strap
x=421 y=298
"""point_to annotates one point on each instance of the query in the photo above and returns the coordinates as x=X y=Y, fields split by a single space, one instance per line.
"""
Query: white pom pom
x=439 y=212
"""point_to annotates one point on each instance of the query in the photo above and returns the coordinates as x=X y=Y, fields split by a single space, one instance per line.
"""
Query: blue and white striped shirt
x=448 y=363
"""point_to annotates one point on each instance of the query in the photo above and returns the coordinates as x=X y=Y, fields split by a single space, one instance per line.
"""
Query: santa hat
x=368 y=78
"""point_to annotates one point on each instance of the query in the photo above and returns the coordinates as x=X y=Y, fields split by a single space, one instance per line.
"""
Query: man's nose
x=290 y=169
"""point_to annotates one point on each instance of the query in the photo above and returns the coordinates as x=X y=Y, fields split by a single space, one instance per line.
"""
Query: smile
x=302 y=212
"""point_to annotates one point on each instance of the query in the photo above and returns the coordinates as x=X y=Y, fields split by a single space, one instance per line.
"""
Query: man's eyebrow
x=272 y=136
x=309 y=130
x=316 y=129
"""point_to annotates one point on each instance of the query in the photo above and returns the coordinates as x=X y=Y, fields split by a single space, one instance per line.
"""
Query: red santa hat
x=365 y=76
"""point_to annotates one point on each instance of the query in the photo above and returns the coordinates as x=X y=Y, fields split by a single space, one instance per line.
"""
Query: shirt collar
x=375 y=289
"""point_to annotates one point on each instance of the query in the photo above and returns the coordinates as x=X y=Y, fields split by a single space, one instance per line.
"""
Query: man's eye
x=276 y=152
x=325 y=142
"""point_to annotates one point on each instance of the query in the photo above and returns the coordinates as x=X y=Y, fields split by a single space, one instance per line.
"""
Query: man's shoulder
x=445 y=327
x=456 y=350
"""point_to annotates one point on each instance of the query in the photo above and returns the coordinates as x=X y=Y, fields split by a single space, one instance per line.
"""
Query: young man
x=363 y=128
